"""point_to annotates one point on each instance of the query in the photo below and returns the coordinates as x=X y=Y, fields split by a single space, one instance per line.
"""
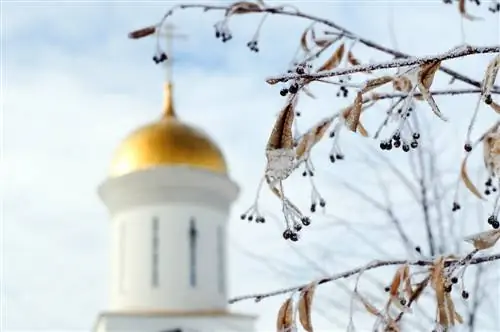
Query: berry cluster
x=292 y=234
x=343 y=91
x=253 y=214
x=489 y=187
x=159 y=58
x=335 y=157
x=455 y=207
x=294 y=87
x=320 y=201
x=493 y=221
x=222 y=32
x=252 y=45
x=396 y=142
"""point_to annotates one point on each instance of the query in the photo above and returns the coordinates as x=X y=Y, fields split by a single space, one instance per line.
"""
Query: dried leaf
x=427 y=72
x=490 y=77
x=491 y=148
x=465 y=178
x=495 y=106
x=334 y=60
x=463 y=12
x=484 y=240
x=281 y=135
x=352 y=59
x=285 y=316
x=353 y=114
x=419 y=290
x=407 y=280
x=243 y=7
x=323 y=42
x=362 y=130
x=303 y=41
x=305 y=307
x=437 y=282
x=402 y=84
x=141 y=33
x=312 y=137
x=368 y=306
x=424 y=81
x=375 y=83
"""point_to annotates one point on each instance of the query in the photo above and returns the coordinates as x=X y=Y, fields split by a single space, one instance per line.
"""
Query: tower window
x=193 y=239
x=155 y=241
x=220 y=259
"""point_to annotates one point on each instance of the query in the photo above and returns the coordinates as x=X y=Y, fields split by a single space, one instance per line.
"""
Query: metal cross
x=168 y=33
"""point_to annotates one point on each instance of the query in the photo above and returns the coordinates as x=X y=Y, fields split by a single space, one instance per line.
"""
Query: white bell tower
x=169 y=197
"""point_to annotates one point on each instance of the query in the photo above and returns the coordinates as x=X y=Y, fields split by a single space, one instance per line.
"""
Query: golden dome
x=167 y=142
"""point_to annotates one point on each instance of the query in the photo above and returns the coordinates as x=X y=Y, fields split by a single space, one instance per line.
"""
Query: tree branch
x=452 y=54
x=370 y=266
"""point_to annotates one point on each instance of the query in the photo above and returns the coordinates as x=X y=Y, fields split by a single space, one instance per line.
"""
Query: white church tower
x=169 y=196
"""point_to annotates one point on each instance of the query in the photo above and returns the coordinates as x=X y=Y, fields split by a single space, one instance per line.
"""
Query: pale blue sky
x=74 y=85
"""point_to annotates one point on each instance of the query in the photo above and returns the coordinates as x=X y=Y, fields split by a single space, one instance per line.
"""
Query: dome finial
x=168 y=101
x=168 y=104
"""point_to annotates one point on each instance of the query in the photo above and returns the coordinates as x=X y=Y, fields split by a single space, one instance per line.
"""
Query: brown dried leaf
x=305 y=307
x=312 y=137
x=437 y=282
x=141 y=33
x=407 y=280
x=459 y=318
x=323 y=42
x=419 y=290
x=368 y=306
x=281 y=135
x=425 y=78
x=285 y=316
x=463 y=12
x=402 y=84
x=484 y=240
x=353 y=113
x=495 y=106
x=465 y=178
x=427 y=72
x=491 y=147
x=490 y=76
x=362 y=130
x=352 y=59
x=243 y=7
x=375 y=83
x=334 y=60
x=396 y=282
x=303 y=41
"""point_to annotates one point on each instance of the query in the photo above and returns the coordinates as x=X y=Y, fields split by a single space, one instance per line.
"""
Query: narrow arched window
x=155 y=244
x=220 y=259
x=193 y=247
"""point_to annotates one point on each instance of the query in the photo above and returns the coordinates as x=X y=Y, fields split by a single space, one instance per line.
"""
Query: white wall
x=131 y=262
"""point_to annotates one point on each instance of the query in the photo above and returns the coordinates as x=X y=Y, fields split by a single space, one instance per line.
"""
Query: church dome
x=167 y=142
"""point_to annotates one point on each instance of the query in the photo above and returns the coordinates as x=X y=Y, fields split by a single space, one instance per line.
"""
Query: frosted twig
x=452 y=54
x=370 y=266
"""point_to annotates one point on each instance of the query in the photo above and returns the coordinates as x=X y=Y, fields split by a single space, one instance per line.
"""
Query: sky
x=74 y=85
